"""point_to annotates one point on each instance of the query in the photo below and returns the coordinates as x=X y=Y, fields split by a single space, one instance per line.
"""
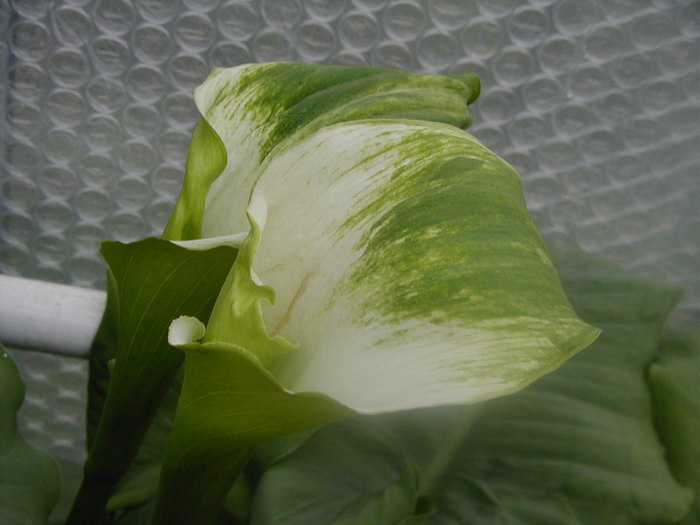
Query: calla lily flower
x=388 y=262
x=340 y=245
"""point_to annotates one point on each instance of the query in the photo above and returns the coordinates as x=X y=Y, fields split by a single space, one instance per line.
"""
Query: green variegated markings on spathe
x=254 y=108
x=406 y=268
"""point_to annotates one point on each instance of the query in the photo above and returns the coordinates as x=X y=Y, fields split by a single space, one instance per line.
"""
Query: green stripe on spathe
x=451 y=241
x=290 y=97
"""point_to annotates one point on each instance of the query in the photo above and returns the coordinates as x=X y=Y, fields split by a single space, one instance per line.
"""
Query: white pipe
x=48 y=317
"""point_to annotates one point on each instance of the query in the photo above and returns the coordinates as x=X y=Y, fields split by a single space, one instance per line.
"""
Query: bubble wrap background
x=595 y=102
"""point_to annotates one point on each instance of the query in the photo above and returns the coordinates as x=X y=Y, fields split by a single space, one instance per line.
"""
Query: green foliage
x=152 y=282
x=30 y=480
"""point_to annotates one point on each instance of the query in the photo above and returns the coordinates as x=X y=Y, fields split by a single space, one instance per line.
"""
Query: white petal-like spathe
x=406 y=269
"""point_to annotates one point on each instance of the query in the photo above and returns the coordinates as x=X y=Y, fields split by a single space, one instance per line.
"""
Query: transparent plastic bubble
x=529 y=131
x=127 y=227
x=528 y=26
x=101 y=131
x=237 y=21
x=590 y=82
x=615 y=107
x=114 y=16
x=572 y=120
x=51 y=248
x=436 y=51
x=392 y=55
x=201 y=5
x=167 y=180
x=32 y=8
x=65 y=107
x=512 y=67
x=229 y=55
x=173 y=146
x=496 y=7
x=136 y=157
x=54 y=215
x=157 y=11
x=492 y=138
x=30 y=40
x=61 y=145
x=451 y=14
x=581 y=181
x=151 y=44
x=575 y=16
x=558 y=55
x=678 y=56
x=315 y=42
x=623 y=9
x=281 y=13
x=158 y=213
x=194 y=32
x=92 y=204
x=499 y=105
x=96 y=169
x=17 y=227
x=110 y=55
x=19 y=194
x=24 y=121
x=180 y=110
x=358 y=30
x=71 y=26
x=632 y=70
x=27 y=82
x=22 y=157
x=131 y=193
x=369 y=5
x=87 y=237
x=105 y=94
x=404 y=21
x=651 y=30
x=141 y=120
x=324 y=9
x=271 y=46
x=558 y=155
x=607 y=42
x=345 y=58
x=85 y=271
x=640 y=133
x=188 y=71
x=57 y=181
x=482 y=38
x=599 y=144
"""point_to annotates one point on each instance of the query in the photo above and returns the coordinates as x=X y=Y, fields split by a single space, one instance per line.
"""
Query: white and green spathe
x=403 y=266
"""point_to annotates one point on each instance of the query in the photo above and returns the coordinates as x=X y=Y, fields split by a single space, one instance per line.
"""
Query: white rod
x=48 y=317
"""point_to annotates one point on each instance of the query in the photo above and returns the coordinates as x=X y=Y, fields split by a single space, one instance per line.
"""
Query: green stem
x=117 y=440
x=192 y=492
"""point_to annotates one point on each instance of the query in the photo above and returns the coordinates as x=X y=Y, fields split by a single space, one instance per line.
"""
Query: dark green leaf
x=155 y=281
